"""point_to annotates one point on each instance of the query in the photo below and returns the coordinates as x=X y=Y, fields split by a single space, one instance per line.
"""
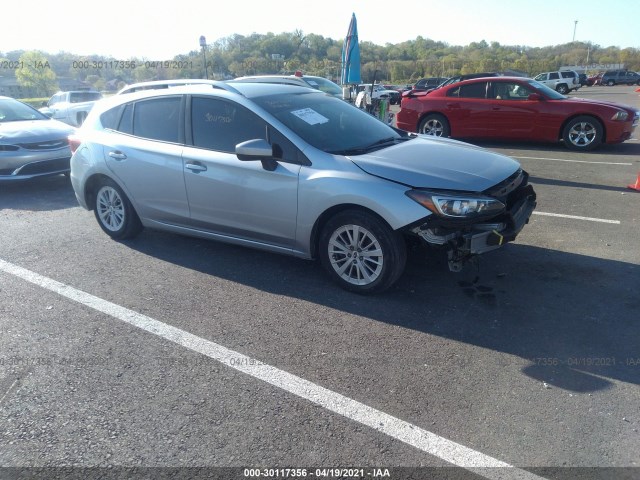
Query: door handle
x=117 y=155
x=194 y=167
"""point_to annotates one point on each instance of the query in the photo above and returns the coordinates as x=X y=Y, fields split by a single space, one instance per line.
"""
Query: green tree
x=35 y=72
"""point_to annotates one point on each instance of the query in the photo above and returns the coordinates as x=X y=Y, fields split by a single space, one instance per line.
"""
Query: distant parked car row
x=562 y=81
x=620 y=77
x=614 y=77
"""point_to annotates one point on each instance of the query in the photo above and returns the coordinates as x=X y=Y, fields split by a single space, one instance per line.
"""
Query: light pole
x=575 y=25
x=203 y=44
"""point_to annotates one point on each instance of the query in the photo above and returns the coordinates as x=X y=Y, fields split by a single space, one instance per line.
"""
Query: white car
x=378 y=91
x=562 y=82
x=71 y=107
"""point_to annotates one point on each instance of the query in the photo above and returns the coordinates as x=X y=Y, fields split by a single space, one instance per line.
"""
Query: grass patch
x=35 y=102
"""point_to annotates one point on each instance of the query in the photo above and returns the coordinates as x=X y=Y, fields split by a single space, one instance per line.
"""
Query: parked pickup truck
x=71 y=107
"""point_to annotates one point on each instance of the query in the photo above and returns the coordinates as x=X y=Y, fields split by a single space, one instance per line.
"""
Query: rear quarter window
x=111 y=117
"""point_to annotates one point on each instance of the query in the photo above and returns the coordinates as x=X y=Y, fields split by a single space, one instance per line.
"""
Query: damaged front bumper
x=463 y=241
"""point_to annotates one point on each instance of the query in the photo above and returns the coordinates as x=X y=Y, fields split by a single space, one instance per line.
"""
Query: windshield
x=328 y=123
x=80 y=97
x=546 y=91
x=323 y=85
x=15 y=111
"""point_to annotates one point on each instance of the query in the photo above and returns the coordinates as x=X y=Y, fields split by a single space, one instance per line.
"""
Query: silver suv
x=292 y=170
x=562 y=82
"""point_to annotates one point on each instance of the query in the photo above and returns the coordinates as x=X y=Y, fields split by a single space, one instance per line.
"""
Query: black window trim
x=134 y=103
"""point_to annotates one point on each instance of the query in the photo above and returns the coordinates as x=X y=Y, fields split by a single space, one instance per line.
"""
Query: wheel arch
x=91 y=188
x=330 y=212
x=426 y=113
x=596 y=117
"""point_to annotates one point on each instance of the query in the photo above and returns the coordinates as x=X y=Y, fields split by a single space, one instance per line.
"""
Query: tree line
x=239 y=55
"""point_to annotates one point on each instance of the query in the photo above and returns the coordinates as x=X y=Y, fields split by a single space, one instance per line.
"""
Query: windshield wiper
x=369 y=148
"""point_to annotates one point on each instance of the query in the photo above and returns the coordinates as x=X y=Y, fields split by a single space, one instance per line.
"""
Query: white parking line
x=413 y=435
x=570 y=161
x=576 y=217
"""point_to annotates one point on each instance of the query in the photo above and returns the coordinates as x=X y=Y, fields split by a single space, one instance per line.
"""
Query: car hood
x=437 y=163
x=33 y=131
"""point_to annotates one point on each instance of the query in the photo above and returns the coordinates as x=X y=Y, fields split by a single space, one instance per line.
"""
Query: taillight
x=74 y=143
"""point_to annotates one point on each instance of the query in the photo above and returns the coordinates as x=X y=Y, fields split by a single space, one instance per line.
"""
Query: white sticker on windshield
x=310 y=116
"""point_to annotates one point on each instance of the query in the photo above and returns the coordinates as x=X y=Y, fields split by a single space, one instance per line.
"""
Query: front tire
x=114 y=211
x=583 y=133
x=435 y=125
x=361 y=252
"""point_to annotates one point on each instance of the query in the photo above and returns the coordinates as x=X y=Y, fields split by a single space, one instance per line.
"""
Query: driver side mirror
x=535 y=97
x=258 y=149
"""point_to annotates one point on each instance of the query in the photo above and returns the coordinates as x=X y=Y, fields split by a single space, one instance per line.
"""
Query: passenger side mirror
x=258 y=149
x=535 y=97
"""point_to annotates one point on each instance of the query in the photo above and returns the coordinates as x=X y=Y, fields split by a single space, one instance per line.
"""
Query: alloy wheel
x=433 y=127
x=110 y=208
x=582 y=134
x=355 y=255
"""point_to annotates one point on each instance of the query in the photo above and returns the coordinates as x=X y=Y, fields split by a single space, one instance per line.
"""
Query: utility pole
x=575 y=25
x=203 y=44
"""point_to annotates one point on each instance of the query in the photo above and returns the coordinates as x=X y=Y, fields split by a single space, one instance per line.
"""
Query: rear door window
x=158 y=119
x=473 y=90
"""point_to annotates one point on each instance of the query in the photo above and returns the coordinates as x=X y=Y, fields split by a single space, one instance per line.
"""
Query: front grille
x=502 y=190
x=9 y=148
x=48 y=145
x=46 y=166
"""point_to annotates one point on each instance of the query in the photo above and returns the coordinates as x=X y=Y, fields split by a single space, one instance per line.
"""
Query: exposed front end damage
x=465 y=238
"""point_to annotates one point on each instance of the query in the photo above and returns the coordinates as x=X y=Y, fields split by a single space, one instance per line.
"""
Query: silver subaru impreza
x=291 y=170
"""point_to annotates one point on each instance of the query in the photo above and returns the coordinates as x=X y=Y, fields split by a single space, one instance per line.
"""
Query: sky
x=159 y=30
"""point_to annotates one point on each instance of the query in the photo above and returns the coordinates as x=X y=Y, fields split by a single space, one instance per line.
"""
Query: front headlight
x=620 y=116
x=457 y=206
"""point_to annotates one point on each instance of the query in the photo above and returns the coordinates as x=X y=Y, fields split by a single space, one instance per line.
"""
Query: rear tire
x=562 y=89
x=114 y=211
x=361 y=252
x=435 y=125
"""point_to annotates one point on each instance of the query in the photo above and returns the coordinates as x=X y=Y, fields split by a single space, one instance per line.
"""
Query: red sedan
x=513 y=108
